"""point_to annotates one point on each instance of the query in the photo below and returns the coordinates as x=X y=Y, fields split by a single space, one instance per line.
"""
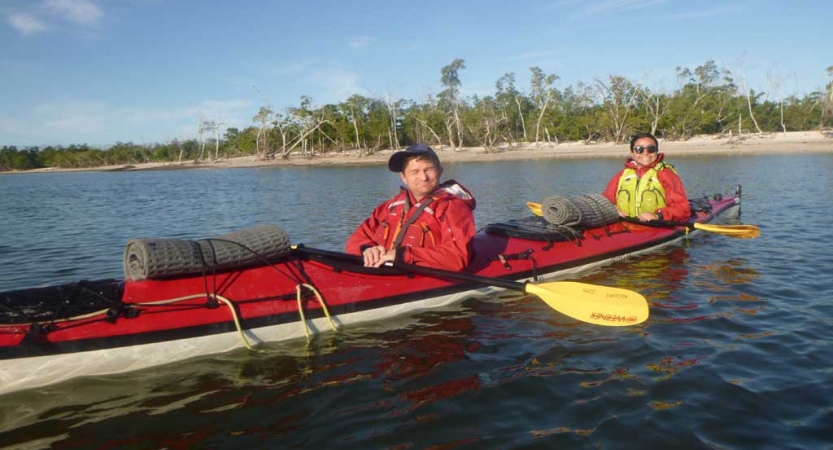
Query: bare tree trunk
x=283 y=135
x=450 y=129
x=654 y=106
x=217 y=141
x=521 y=113
x=392 y=132
x=748 y=94
x=425 y=124
x=555 y=135
x=541 y=116
x=181 y=151
x=302 y=139
x=619 y=104
x=202 y=145
x=356 y=128
x=781 y=107
x=459 y=127
x=257 y=143
x=751 y=114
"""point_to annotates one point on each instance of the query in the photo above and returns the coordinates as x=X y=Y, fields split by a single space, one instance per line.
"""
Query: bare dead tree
x=217 y=140
x=303 y=138
x=202 y=129
x=827 y=103
x=393 y=134
x=521 y=114
x=747 y=93
x=261 y=142
x=773 y=87
x=542 y=93
x=450 y=78
x=506 y=93
x=355 y=126
x=618 y=99
x=281 y=123
x=449 y=127
x=212 y=127
x=428 y=127
x=485 y=128
x=655 y=103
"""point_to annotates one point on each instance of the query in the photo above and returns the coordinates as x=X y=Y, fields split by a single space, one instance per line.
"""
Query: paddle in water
x=735 y=231
x=599 y=305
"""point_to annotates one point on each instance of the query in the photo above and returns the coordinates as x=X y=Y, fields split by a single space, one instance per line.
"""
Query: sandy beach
x=768 y=143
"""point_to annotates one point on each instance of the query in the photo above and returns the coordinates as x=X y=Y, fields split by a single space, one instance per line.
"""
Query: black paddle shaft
x=439 y=273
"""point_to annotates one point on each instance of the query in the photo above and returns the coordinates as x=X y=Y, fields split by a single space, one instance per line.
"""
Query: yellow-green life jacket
x=638 y=195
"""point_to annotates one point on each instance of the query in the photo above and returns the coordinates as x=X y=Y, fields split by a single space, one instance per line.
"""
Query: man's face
x=421 y=177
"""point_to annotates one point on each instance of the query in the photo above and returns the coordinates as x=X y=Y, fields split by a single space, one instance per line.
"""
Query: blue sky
x=145 y=71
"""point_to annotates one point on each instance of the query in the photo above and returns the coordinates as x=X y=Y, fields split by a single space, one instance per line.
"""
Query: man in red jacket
x=648 y=188
x=428 y=223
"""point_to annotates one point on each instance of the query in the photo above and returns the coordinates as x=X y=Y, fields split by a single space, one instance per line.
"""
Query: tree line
x=708 y=100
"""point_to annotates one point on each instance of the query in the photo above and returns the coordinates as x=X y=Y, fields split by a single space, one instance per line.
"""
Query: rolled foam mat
x=164 y=258
x=596 y=210
x=560 y=210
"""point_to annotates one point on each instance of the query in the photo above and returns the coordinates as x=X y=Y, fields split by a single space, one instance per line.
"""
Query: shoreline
x=752 y=144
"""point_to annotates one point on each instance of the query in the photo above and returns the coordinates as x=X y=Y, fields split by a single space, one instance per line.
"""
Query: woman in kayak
x=648 y=188
x=428 y=223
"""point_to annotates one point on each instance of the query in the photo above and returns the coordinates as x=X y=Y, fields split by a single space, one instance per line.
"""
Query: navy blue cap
x=396 y=162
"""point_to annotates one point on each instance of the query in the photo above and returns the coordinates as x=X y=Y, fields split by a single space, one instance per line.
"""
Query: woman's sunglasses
x=639 y=149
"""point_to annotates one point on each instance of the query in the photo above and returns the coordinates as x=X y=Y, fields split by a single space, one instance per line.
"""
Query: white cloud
x=26 y=24
x=77 y=124
x=74 y=118
x=584 y=9
x=83 y=12
x=211 y=110
x=291 y=68
x=566 y=3
x=612 y=6
x=102 y=124
x=39 y=17
x=361 y=42
x=11 y=126
x=338 y=83
x=708 y=13
x=528 y=56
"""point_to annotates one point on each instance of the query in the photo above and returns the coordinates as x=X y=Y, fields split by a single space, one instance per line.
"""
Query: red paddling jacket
x=659 y=180
x=436 y=232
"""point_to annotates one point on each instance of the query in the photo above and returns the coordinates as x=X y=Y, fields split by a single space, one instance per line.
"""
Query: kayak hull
x=156 y=322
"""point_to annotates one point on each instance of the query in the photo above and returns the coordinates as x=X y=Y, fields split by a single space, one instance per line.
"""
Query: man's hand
x=376 y=256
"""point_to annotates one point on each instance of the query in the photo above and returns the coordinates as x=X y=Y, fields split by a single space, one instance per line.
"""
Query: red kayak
x=51 y=334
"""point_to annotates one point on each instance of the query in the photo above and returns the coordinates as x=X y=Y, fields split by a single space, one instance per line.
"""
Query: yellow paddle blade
x=534 y=208
x=736 y=231
x=599 y=305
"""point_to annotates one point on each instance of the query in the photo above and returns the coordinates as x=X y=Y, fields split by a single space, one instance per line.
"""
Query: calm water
x=736 y=354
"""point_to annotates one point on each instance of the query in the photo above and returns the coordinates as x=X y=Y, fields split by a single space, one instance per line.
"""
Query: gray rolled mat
x=560 y=210
x=162 y=258
x=596 y=210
